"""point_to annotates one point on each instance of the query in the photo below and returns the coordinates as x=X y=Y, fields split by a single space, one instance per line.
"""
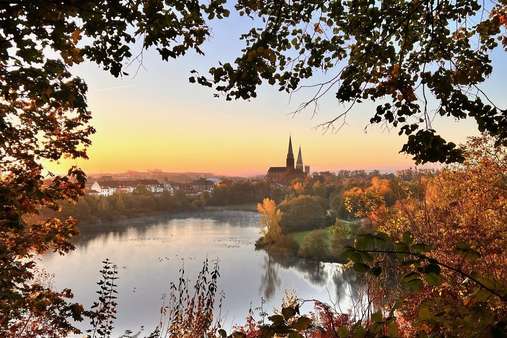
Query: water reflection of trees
x=348 y=285
x=270 y=281
x=142 y=225
x=312 y=270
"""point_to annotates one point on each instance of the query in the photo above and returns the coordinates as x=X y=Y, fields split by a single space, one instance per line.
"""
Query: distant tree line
x=93 y=209
x=241 y=192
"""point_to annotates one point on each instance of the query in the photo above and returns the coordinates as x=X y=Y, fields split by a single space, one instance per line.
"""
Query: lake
x=149 y=253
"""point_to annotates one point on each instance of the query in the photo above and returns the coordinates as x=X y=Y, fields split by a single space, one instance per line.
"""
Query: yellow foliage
x=270 y=217
x=379 y=186
x=462 y=204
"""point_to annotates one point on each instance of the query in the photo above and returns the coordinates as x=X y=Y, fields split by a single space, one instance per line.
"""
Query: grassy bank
x=300 y=236
x=323 y=244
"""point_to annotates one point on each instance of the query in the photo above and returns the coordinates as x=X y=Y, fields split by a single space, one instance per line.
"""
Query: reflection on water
x=270 y=281
x=150 y=251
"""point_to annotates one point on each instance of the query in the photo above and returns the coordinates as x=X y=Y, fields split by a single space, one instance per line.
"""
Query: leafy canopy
x=402 y=55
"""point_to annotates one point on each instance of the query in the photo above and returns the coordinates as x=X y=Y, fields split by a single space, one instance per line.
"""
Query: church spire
x=299 y=163
x=290 y=155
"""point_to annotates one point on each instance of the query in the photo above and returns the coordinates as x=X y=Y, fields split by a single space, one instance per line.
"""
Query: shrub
x=104 y=310
x=303 y=212
x=190 y=309
x=341 y=237
x=315 y=245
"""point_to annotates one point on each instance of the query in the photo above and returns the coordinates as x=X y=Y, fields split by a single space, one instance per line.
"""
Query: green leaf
x=410 y=276
x=358 y=331
x=365 y=242
x=466 y=251
x=367 y=257
x=414 y=285
x=432 y=278
x=419 y=248
x=412 y=281
x=480 y=295
x=355 y=256
x=401 y=247
x=407 y=238
x=392 y=329
x=343 y=332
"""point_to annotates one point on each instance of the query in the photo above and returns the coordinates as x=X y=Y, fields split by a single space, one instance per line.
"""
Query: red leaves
x=500 y=14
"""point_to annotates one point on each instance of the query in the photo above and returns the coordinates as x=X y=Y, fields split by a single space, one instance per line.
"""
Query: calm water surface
x=149 y=253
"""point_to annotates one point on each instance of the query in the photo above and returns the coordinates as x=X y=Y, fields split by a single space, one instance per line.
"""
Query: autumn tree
x=44 y=117
x=463 y=215
x=270 y=218
x=447 y=247
x=303 y=212
x=365 y=202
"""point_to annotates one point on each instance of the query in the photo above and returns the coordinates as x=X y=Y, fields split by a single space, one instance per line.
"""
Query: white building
x=97 y=189
x=168 y=187
x=155 y=188
x=108 y=188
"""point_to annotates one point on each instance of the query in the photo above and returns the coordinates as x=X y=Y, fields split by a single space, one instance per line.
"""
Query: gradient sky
x=158 y=120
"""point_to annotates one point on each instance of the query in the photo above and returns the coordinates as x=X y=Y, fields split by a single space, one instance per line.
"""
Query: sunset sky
x=158 y=120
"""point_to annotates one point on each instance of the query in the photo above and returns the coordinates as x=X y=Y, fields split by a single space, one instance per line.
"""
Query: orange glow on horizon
x=234 y=151
x=160 y=121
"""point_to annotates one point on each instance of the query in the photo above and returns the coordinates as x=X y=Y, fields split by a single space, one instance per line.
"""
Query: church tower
x=290 y=156
x=299 y=162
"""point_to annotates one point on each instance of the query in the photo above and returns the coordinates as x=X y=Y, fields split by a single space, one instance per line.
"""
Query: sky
x=156 y=119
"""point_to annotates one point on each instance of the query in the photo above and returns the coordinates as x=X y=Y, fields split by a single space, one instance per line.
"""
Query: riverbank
x=300 y=236
x=143 y=219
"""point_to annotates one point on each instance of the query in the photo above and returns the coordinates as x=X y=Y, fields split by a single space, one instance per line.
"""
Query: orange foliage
x=463 y=206
x=367 y=202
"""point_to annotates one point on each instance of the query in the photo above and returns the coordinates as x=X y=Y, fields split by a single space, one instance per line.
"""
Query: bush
x=284 y=246
x=342 y=234
x=315 y=245
x=303 y=212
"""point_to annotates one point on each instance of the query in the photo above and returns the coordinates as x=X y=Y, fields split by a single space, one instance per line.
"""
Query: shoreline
x=150 y=217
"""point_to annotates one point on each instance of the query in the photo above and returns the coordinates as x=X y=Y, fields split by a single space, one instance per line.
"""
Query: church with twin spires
x=285 y=175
